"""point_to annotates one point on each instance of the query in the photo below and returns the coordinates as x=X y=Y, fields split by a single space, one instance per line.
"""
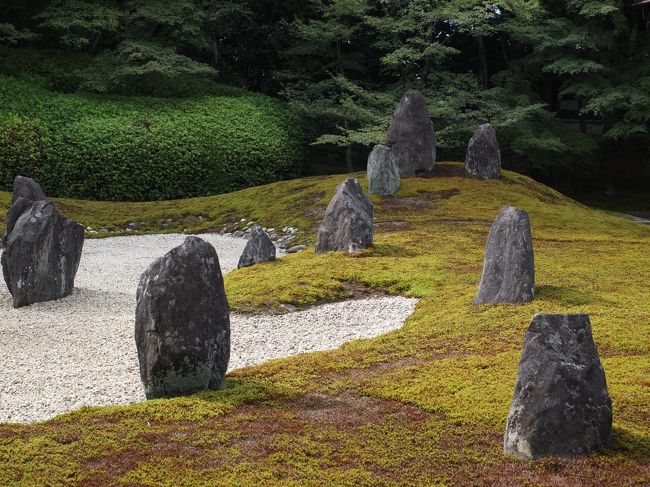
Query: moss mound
x=424 y=405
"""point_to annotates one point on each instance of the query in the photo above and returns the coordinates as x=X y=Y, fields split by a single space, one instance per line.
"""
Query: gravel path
x=59 y=356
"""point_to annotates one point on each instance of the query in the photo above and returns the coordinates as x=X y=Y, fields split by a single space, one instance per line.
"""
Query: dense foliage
x=144 y=148
x=344 y=63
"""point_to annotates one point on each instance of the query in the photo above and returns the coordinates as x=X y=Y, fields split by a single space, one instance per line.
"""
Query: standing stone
x=483 y=154
x=561 y=406
x=383 y=171
x=347 y=225
x=182 y=322
x=411 y=136
x=259 y=248
x=42 y=249
x=27 y=188
x=509 y=267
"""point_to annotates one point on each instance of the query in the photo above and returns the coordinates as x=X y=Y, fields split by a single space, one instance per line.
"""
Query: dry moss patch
x=424 y=405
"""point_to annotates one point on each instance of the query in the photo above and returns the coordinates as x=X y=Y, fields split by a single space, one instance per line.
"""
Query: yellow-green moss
x=424 y=405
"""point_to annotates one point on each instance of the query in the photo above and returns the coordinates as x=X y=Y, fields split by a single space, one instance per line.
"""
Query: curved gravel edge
x=80 y=351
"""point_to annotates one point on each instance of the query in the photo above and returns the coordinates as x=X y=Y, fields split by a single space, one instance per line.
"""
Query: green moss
x=423 y=405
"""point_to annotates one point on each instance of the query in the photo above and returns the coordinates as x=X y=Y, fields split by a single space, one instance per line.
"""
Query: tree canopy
x=344 y=63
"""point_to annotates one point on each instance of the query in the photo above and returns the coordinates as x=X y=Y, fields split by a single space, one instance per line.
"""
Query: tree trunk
x=484 y=72
x=348 y=158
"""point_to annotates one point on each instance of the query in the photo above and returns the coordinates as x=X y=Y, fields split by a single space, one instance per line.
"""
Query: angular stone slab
x=347 y=225
x=509 y=265
x=561 y=406
x=182 y=322
x=42 y=250
x=383 y=172
x=411 y=136
x=483 y=157
x=259 y=248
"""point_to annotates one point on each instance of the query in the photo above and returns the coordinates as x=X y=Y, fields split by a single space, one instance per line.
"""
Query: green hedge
x=134 y=149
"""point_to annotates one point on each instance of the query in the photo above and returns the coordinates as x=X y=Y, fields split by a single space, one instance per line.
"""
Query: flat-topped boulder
x=561 y=406
x=42 y=248
x=411 y=136
x=483 y=157
x=259 y=248
x=383 y=171
x=509 y=265
x=347 y=225
x=182 y=322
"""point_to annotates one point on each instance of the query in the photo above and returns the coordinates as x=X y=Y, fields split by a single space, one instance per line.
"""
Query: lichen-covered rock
x=509 y=266
x=483 y=157
x=182 y=322
x=561 y=406
x=259 y=248
x=42 y=249
x=383 y=171
x=27 y=188
x=347 y=225
x=411 y=136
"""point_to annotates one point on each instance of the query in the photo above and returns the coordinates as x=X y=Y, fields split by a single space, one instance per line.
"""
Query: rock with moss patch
x=42 y=248
x=383 y=172
x=411 y=136
x=182 y=325
x=259 y=248
x=509 y=267
x=347 y=225
x=483 y=157
x=561 y=406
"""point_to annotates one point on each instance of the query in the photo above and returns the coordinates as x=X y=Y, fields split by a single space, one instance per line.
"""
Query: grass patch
x=423 y=405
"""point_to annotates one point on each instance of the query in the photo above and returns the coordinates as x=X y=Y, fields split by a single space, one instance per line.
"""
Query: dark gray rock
x=411 y=136
x=383 y=172
x=296 y=248
x=42 y=250
x=347 y=225
x=561 y=406
x=259 y=248
x=483 y=157
x=509 y=267
x=27 y=188
x=182 y=322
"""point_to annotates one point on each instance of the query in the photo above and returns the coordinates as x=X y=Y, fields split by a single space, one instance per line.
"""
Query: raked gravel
x=79 y=351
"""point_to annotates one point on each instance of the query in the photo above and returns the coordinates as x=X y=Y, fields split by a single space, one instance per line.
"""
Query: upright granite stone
x=182 y=322
x=383 y=171
x=509 y=267
x=483 y=154
x=347 y=225
x=259 y=248
x=561 y=406
x=411 y=136
x=42 y=249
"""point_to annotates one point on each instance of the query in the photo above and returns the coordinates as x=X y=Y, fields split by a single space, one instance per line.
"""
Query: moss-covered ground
x=424 y=405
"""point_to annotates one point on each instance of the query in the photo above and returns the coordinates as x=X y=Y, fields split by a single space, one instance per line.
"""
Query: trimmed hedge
x=142 y=148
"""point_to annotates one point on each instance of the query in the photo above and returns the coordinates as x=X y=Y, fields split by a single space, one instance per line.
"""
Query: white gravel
x=79 y=351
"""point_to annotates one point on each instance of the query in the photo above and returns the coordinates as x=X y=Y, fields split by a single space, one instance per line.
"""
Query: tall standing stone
x=509 y=266
x=561 y=406
x=347 y=225
x=383 y=171
x=483 y=154
x=42 y=249
x=182 y=322
x=259 y=248
x=411 y=136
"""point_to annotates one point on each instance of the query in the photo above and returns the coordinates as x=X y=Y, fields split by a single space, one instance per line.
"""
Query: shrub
x=140 y=148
